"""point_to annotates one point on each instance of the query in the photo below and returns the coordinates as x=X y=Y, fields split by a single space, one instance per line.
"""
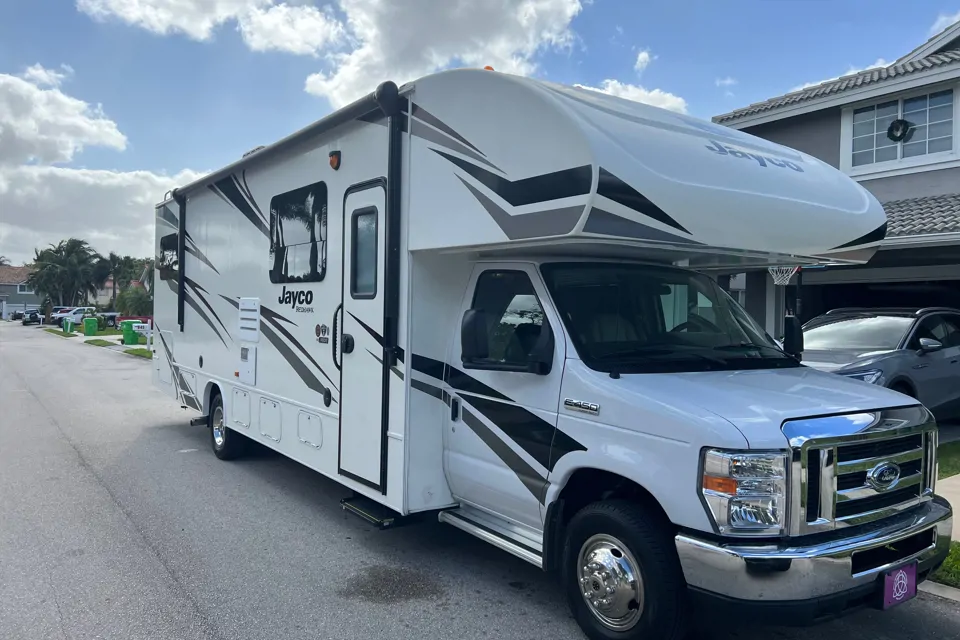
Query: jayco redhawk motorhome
x=487 y=297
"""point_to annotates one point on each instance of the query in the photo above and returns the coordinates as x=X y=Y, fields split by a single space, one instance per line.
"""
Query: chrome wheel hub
x=218 y=429
x=610 y=582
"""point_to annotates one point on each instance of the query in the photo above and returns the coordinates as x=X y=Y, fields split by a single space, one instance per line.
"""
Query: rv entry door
x=361 y=338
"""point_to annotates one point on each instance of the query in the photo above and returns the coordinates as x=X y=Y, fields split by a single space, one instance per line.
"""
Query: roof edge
x=933 y=44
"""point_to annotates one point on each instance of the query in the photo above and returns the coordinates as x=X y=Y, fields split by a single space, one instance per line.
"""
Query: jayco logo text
x=763 y=161
x=298 y=300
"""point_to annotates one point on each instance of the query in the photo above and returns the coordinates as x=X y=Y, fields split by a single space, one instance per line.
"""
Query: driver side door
x=502 y=422
x=937 y=373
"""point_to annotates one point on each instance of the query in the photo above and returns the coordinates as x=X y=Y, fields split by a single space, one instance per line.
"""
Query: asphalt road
x=116 y=521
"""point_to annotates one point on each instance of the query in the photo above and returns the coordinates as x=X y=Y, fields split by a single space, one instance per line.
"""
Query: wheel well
x=584 y=487
x=211 y=392
x=906 y=385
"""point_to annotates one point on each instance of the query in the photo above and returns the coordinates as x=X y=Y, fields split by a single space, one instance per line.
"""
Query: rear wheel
x=621 y=573
x=227 y=444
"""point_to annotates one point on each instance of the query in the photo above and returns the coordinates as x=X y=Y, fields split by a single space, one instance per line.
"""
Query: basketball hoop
x=781 y=275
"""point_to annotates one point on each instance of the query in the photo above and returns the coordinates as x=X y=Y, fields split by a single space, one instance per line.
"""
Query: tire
x=226 y=443
x=111 y=322
x=624 y=538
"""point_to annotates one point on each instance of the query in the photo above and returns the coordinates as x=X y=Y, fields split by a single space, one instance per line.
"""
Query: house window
x=298 y=235
x=930 y=128
x=24 y=289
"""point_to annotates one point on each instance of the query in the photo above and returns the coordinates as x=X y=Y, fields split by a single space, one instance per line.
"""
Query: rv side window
x=363 y=253
x=167 y=261
x=298 y=235
x=514 y=315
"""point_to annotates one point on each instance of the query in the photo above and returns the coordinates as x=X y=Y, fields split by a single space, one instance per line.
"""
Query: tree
x=110 y=267
x=65 y=272
x=4 y=261
x=135 y=301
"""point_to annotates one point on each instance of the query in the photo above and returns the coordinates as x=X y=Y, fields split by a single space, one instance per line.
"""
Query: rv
x=490 y=300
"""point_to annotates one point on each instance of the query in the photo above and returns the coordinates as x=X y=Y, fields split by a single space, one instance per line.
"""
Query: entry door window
x=363 y=265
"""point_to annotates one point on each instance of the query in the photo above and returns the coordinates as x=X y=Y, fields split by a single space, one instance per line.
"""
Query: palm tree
x=110 y=267
x=4 y=261
x=66 y=271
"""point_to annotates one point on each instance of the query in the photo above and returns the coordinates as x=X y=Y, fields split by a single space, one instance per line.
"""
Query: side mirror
x=473 y=336
x=792 y=336
x=929 y=345
x=541 y=356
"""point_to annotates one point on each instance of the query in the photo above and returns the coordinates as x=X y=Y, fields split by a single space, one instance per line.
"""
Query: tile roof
x=833 y=87
x=14 y=275
x=918 y=216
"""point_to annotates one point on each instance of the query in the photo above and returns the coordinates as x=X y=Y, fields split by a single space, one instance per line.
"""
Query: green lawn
x=100 y=343
x=140 y=353
x=59 y=332
x=949 y=573
x=949 y=457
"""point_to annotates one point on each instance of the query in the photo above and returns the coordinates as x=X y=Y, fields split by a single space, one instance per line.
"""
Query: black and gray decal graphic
x=190 y=300
x=612 y=187
x=609 y=224
x=269 y=327
x=376 y=336
x=877 y=235
x=235 y=192
x=536 y=224
x=186 y=395
x=566 y=183
x=538 y=438
x=168 y=217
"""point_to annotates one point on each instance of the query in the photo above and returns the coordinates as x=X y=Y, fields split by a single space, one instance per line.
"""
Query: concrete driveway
x=118 y=522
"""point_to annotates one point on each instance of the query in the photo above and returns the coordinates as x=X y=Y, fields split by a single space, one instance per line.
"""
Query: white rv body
x=345 y=353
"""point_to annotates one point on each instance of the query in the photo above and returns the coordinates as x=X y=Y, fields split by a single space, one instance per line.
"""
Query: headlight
x=872 y=376
x=745 y=492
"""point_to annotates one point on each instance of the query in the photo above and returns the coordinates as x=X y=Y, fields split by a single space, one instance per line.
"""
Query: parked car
x=17 y=315
x=75 y=314
x=31 y=316
x=913 y=351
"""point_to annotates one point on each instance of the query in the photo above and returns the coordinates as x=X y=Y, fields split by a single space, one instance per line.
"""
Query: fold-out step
x=373 y=512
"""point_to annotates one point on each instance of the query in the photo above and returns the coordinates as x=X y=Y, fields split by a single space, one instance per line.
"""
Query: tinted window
x=167 y=260
x=871 y=333
x=943 y=329
x=298 y=235
x=363 y=274
x=644 y=319
x=514 y=315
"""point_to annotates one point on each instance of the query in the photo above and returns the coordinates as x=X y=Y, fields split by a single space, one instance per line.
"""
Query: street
x=118 y=522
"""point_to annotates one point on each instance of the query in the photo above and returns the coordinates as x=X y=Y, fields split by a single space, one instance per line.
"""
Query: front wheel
x=226 y=443
x=621 y=573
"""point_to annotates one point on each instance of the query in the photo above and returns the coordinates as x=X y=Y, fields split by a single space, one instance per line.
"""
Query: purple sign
x=899 y=585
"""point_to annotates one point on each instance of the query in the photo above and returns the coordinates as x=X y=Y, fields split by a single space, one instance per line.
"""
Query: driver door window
x=514 y=316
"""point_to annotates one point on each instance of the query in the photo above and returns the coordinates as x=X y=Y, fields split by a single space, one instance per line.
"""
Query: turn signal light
x=720 y=485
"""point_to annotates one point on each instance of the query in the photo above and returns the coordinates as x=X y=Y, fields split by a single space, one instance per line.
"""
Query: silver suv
x=913 y=351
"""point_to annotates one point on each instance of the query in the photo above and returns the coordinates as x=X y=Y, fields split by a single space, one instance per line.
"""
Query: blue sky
x=189 y=94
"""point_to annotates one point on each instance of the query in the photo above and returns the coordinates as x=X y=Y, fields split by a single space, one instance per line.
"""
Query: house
x=15 y=294
x=896 y=130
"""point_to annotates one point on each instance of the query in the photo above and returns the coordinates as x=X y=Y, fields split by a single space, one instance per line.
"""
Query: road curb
x=941 y=590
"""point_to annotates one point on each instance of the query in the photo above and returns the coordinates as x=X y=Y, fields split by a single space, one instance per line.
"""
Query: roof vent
x=254 y=150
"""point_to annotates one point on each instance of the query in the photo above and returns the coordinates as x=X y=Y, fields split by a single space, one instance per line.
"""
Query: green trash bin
x=130 y=337
x=90 y=326
x=67 y=325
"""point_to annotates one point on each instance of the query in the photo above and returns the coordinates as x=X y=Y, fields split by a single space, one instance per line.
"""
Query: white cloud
x=726 y=82
x=196 y=19
x=644 y=58
x=112 y=210
x=655 y=97
x=300 y=29
x=373 y=40
x=943 y=21
x=852 y=70
x=402 y=41
x=39 y=123
x=40 y=204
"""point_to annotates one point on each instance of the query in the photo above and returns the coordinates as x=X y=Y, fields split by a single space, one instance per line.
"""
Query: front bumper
x=825 y=577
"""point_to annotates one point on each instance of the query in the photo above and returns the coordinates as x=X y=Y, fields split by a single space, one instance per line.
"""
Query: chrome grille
x=857 y=468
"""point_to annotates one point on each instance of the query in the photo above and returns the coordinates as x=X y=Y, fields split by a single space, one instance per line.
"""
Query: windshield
x=647 y=319
x=872 y=333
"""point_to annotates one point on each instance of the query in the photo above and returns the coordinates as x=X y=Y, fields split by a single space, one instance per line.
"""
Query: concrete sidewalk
x=949 y=488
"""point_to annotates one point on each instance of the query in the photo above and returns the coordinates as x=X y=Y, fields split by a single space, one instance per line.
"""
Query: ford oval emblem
x=884 y=476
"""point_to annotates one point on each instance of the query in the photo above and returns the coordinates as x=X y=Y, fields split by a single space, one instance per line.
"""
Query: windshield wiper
x=748 y=346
